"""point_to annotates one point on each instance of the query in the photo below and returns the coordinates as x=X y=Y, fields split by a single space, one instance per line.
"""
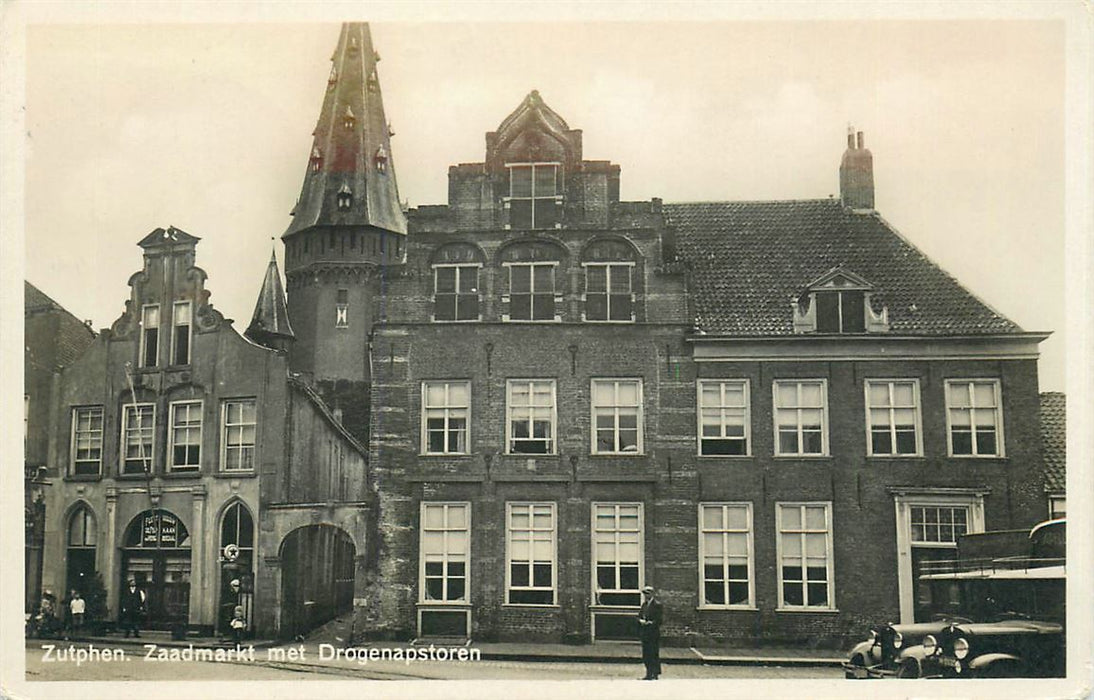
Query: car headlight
x=898 y=639
x=961 y=647
x=930 y=645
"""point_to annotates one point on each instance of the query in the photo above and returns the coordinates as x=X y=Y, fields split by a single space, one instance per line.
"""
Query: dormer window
x=345 y=198
x=333 y=77
x=838 y=302
x=316 y=160
x=535 y=195
x=348 y=120
x=373 y=81
x=381 y=159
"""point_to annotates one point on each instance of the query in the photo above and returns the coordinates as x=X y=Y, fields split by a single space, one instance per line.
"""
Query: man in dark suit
x=132 y=609
x=649 y=631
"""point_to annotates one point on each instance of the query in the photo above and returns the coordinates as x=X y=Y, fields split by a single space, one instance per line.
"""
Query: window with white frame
x=445 y=552
x=138 y=429
x=530 y=541
x=1057 y=507
x=725 y=554
x=617 y=416
x=446 y=408
x=535 y=195
x=183 y=318
x=841 y=311
x=801 y=417
x=185 y=436
x=531 y=291
x=724 y=424
x=530 y=406
x=87 y=440
x=341 y=308
x=456 y=292
x=237 y=453
x=805 y=555
x=974 y=412
x=617 y=549
x=892 y=417
x=150 y=335
x=608 y=292
x=938 y=524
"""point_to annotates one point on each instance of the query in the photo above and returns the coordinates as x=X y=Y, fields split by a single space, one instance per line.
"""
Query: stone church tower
x=348 y=229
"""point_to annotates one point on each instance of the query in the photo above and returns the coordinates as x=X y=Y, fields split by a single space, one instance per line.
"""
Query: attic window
x=373 y=81
x=349 y=120
x=333 y=77
x=316 y=160
x=535 y=196
x=841 y=312
x=381 y=159
x=838 y=302
x=345 y=198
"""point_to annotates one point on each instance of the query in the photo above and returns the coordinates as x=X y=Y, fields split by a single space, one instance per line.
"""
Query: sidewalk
x=600 y=652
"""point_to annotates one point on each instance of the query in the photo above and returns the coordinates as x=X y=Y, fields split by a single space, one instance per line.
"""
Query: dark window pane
x=715 y=593
x=151 y=337
x=605 y=576
x=455 y=588
x=445 y=308
x=434 y=568
x=543 y=279
x=723 y=446
x=596 y=307
x=962 y=442
x=531 y=597
x=446 y=279
x=712 y=572
x=520 y=279
x=548 y=213
x=456 y=568
x=543 y=308
x=881 y=443
x=467 y=308
x=596 y=279
x=788 y=442
x=738 y=593
x=520 y=307
x=531 y=447
x=817 y=573
x=985 y=441
x=827 y=312
x=520 y=213
x=469 y=280
x=738 y=572
x=434 y=589
x=518 y=574
x=621 y=307
x=818 y=594
x=628 y=576
x=182 y=345
x=812 y=442
x=792 y=594
x=792 y=573
x=545 y=181
x=541 y=575
x=905 y=441
x=520 y=181
x=854 y=316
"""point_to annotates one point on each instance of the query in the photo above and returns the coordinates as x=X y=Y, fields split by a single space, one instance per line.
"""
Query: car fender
x=984 y=660
x=916 y=651
x=865 y=648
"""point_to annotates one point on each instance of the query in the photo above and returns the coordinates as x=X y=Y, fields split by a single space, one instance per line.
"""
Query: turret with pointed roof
x=270 y=322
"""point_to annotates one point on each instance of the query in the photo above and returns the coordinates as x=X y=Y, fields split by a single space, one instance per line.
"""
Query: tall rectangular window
x=530 y=544
x=446 y=408
x=183 y=317
x=87 y=440
x=535 y=199
x=892 y=417
x=725 y=554
x=445 y=552
x=456 y=293
x=617 y=550
x=185 y=436
x=531 y=416
x=608 y=295
x=805 y=555
x=237 y=438
x=531 y=291
x=150 y=335
x=617 y=416
x=341 y=308
x=974 y=412
x=800 y=417
x=724 y=424
x=138 y=428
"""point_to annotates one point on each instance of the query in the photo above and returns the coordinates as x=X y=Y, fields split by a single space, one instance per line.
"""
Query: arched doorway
x=156 y=553
x=236 y=557
x=317 y=572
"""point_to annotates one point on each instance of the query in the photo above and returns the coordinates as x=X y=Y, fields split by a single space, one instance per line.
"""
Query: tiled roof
x=1054 y=439
x=750 y=259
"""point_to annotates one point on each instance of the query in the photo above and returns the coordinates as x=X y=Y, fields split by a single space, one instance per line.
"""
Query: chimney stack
x=856 y=173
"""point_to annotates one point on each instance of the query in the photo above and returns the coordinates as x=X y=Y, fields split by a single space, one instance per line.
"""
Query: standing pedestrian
x=649 y=631
x=239 y=624
x=77 y=607
x=132 y=608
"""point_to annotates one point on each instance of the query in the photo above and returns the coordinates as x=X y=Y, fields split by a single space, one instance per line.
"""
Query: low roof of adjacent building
x=749 y=262
x=1054 y=439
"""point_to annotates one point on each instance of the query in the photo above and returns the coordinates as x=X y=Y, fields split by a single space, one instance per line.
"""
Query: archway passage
x=317 y=572
x=156 y=553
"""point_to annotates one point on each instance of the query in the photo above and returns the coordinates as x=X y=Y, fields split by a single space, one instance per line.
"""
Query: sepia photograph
x=635 y=354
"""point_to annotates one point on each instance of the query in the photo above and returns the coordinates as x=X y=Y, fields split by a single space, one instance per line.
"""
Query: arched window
x=82 y=538
x=237 y=528
x=237 y=533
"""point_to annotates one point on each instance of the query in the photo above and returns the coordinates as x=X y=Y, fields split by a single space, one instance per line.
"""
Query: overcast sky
x=208 y=128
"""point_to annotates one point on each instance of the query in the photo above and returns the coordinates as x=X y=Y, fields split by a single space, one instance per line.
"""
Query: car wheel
x=909 y=668
x=856 y=660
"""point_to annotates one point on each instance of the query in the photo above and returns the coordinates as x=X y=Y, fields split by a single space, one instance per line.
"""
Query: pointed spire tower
x=348 y=226
x=270 y=322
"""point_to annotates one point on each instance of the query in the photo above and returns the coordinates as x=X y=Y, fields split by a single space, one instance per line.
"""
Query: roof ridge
x=756 y=201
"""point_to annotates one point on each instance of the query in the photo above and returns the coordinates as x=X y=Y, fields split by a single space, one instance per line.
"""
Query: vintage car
x=1000 y=616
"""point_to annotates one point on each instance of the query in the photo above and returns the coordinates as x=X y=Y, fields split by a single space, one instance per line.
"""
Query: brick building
x=1054 y=447
x=53 y=338
x=184 y=456
x=772 y=411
